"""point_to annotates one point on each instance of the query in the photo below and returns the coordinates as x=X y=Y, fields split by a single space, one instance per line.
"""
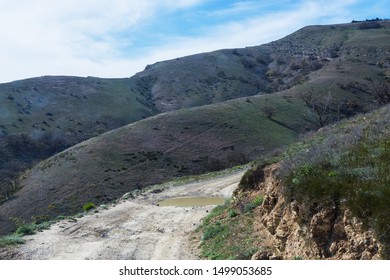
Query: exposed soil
x=133 y=229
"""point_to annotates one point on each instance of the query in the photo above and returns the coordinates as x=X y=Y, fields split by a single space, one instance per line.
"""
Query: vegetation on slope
x=151 y=151
x=326 y=73
x=225 y=234
x=41 y=117
x=345 y=165
x=349 y=169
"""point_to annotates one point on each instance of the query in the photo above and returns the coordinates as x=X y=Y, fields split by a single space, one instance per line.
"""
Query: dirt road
x=133 y=229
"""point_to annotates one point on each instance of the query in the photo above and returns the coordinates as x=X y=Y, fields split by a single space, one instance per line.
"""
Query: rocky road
x=134 y=229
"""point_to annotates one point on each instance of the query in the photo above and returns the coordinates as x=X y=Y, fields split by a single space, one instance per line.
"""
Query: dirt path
x=133 y=229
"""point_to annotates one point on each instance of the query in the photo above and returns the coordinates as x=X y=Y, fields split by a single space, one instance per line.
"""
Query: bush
x=250 y=206
x=357 y=178
x=252 y=178
x=213 y=230
x=11 y=240
x=40 y=219
x=258 y=201
x=26 y=229
x=43 y=225
x=89 y=206
x=232 y=213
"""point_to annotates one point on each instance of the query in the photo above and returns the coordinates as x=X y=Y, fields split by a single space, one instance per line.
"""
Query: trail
x=134 y=229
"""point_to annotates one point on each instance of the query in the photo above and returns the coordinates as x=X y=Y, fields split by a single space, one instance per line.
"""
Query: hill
x=315 y=76
x=49 y=114
x=150 y=151
x=43 y=116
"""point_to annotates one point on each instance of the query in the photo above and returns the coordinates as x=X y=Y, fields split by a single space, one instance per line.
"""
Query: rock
x=291 y=229
x=160 y=230
x=276 y=257
x=156 y=191
x=261 y=255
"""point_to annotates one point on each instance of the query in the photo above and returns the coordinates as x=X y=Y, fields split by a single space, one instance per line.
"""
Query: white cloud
x=252 y=31
x=72 y=37
x=82 y=37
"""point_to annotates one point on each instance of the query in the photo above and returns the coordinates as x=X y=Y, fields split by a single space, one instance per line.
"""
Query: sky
x=117 y=38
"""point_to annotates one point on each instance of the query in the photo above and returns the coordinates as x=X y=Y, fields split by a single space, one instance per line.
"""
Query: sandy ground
x=135 y=229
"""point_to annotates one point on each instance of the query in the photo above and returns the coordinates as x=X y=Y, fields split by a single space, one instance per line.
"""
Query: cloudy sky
x=117 y=38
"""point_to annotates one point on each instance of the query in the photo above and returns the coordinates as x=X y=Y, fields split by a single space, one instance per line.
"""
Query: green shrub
x=42 y=226
x=40 y=219
x=213 y=230
x=26 y=229
x=232 y=213
x=11 y=240
x=216 y=212
x=358 y=178
x=60 y=218
x=258 y=201
x=88 y=206
x=248 y=207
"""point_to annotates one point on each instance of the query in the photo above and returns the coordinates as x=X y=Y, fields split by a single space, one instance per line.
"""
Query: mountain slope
x=52 y=113
x=315 y=76
x=150 y=151
x=75 y=107
x=43 y=116
x=344 y=52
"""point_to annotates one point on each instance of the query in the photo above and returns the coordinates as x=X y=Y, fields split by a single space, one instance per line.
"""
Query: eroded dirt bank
x=290 y=230
x=133 y=229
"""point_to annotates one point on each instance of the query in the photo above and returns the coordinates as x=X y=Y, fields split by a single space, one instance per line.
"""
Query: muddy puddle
x=192 y=201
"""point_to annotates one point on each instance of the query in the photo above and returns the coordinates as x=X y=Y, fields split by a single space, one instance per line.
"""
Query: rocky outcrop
x=289 y=230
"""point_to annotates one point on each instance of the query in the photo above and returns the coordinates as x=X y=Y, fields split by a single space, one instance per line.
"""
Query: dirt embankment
x=133 y=229
x=290 y=230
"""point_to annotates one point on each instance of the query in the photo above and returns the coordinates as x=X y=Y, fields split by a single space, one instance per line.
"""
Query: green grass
x=225 y=234
x=345 y=165
x=359 y=179
x=26 y=229
x=350 y=168
x=10 y=240
x=22 y=230
x=70 y=103
x=89 y=206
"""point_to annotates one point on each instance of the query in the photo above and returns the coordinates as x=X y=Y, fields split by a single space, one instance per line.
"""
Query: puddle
x=192 y=201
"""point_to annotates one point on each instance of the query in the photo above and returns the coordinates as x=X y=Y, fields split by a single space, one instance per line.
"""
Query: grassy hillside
x=51 y=113
x=342 y=166
x=43 y=116
x=348 y=167
x=150 y=151
x=262 y=97
x=75 y=107
x=315 y=52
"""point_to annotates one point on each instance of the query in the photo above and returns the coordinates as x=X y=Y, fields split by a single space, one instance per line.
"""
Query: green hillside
x=43 y=116
x=71 y=106
x=344 y=166
x=150 y=151
x=176 y=118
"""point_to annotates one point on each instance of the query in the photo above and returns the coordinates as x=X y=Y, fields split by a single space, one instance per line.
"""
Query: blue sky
x=118 y=38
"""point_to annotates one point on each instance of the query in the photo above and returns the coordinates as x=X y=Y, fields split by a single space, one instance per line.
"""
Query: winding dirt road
x=135 y=229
